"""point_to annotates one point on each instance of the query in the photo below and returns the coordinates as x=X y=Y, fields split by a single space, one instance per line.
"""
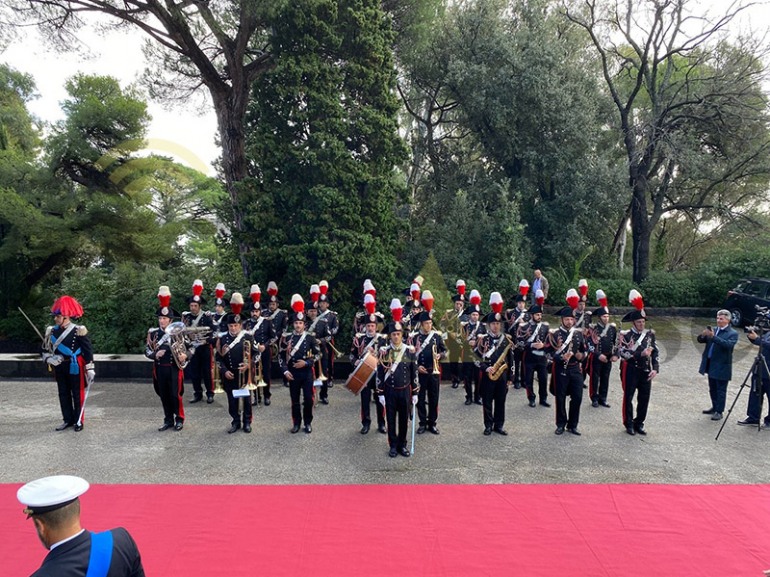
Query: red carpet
x=373 y=530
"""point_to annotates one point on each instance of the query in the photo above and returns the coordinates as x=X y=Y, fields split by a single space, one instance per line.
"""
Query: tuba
x=176 y=333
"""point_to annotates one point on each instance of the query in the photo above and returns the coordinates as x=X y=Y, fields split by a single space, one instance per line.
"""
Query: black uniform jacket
x=70 y=559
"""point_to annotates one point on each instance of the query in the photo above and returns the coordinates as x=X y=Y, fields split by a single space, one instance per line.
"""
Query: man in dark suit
x=53 y=504
x=717 y=361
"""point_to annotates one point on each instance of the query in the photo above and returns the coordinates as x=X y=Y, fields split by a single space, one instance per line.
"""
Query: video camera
x=762 y=322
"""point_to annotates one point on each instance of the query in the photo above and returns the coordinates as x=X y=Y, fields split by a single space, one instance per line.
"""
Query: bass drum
x=362 y=374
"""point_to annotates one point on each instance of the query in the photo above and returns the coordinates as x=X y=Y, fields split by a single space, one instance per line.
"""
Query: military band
x=489 y=349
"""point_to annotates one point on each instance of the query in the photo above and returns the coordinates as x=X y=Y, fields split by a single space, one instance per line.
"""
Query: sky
x=184 y=132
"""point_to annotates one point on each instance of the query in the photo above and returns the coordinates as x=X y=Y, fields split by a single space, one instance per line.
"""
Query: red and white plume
x=396 y=310
x=524 y=287
x=475 y=297
x=583 y=287
x=369 y=288
x=297 y=304
x=219 y=292
x=197 y=287
x=636 y=299
x=315 y=292
x=370 y=304
x=427 y=300
x=164 y=296
x=69 y=307
x=539 y=297
x=601 y=298
x=414 y=290
x=419 y=280
x=460 y=286
x=496 y=302
x=272 y=288
x=323 y=286
x=572 y=298
x=236 y=303
x=255 y=293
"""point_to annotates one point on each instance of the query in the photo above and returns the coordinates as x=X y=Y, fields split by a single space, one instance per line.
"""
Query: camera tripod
x=754 y=376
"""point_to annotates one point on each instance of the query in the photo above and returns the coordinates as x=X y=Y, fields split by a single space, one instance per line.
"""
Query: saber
x=414 y=424
x=83 y=406
x=31 y=324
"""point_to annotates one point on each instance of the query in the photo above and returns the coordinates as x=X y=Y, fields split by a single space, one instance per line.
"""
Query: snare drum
x=359 y=378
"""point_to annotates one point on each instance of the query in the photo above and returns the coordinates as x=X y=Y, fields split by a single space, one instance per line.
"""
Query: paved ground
x=121 y=444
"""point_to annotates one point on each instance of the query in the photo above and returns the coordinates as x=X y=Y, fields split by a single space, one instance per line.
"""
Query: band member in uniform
x=473 y=329
x=492 y=350
x=397 y=384
x=298 y=354
x=279 y=318
x=369 y=340
x=533 y=340
x=583 y=322
x=569 y=349
x=199 y=365
x=262 y=333
x=219 y=309
x=451 y=326
x=317 y=328
x=639 y=366
x=67 y=349
x=168 y=366
x=514 y=318
x=603 y=351
x=430 y=349
x=328 y=352
x=370 y=295
x=234 y=350
x=410 y=321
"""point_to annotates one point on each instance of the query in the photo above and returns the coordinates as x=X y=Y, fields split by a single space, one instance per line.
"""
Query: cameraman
x=753 y=413
x=717 y=361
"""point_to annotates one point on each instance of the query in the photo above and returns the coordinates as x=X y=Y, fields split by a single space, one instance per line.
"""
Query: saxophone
x=500 y=366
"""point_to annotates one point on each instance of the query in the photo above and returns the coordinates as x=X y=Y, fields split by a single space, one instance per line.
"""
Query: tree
x=515 y=76
x=219 y=44
x=323 y=144
x=690 y=112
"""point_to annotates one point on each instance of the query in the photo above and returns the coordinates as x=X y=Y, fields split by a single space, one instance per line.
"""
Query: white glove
x=90 y=374
x=414 y=399
x=53 y=360
x=381 y=398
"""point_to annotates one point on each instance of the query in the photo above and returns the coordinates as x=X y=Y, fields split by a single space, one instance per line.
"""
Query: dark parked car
x=742 y=300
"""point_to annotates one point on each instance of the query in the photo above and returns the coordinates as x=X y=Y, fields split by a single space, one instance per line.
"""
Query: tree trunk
x=230 y=111
x=640 y=226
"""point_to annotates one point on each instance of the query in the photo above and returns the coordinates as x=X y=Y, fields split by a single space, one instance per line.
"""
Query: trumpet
x=337 y=353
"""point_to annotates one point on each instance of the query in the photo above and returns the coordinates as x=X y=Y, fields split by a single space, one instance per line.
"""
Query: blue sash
x=66 y=351
x=101 y=554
